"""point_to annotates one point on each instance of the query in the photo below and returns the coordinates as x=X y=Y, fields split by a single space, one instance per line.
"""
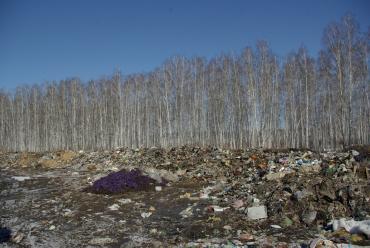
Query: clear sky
x=45 y=40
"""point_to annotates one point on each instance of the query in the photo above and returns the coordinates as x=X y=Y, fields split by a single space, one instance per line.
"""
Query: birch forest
x=251 y=99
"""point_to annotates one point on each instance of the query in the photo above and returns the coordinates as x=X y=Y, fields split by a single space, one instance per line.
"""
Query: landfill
x=186 y=196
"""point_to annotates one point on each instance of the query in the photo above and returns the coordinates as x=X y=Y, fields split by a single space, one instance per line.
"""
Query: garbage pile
x=121 y=181
x=201 y=197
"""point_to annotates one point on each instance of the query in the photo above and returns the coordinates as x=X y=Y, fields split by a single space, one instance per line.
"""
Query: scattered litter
x=101 y=241
x=158 y=188
x=114 y=207
x=276 y=226
x=5 y=234
x=256 y=213
x=146 y=215
x=20 y=178
x=124 y=201
x=186 y=213
x=352 y=226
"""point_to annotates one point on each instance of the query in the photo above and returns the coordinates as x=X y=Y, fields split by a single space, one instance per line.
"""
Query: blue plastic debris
x=5 y=234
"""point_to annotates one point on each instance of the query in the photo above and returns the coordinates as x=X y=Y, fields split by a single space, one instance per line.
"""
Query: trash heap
x=121 y=181
x=250 y=197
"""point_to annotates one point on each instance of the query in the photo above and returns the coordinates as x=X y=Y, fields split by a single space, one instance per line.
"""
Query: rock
x=52 y=227
x=256 y=213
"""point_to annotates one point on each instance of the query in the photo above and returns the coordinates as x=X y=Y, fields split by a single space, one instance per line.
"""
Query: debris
x=355 y=153
x=287 y=222
x=276 y=176
x=245 y=237
x=146 y=215
x=227 y=227
x=120 y=181
x=238 y=204
x=20 y=179
x=17 y=238
x=124 y=201
x=5 y=234
x=114 y=207
x=158 y=188
x=321 y=243
x=309 y=216
x=216 y=209
x=101 y=241
x=186 y=213
x=216 y=193
x=352 y=226
x=256 y=213
x=276 y=226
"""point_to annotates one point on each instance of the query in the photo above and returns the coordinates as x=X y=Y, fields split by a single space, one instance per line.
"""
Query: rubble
x=186 y=196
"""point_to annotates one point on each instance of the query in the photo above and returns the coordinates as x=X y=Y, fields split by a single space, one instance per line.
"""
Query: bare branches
x=251 y=100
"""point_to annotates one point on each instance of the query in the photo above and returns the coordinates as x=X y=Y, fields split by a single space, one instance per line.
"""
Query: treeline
x=253 y=99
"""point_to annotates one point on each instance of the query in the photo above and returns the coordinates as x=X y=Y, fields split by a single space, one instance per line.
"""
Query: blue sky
x=45 y=40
